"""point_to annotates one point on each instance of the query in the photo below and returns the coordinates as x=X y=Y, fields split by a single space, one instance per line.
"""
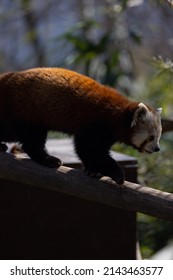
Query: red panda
x=35 y=101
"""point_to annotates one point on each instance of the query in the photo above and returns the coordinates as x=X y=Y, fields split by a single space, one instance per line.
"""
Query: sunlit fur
x=35 y=101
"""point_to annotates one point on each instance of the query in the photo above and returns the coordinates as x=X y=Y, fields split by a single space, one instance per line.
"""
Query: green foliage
x=101 y=55
x=86 y=50
x=164 y=67
x=153 y=234
x=25 y=3
x=160 y=87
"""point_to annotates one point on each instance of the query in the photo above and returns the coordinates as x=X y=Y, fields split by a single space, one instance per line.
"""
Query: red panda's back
x=60 y=99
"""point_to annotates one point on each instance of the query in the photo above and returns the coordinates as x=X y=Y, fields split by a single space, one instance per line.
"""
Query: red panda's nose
x=157 y=149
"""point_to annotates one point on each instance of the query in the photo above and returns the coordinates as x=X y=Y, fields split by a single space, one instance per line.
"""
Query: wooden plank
x=73 y=182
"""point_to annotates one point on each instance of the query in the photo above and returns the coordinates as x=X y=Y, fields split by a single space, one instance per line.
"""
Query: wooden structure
x=45 y=224
x=64 y=214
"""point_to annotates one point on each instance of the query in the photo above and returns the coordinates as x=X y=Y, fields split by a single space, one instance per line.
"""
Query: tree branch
x=167 y=125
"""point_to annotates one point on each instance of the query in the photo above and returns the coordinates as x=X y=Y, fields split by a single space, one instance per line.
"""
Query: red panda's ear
x=139 y=114
x=159 y=110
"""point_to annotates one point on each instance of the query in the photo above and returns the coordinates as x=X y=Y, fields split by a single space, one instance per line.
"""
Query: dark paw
x=93 y=174
x=3 y=147
x=119 y=180
x=51 y=162
x=118 y=177
x=47 y=160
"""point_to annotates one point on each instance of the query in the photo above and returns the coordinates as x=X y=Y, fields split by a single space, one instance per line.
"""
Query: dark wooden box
x=42 y=224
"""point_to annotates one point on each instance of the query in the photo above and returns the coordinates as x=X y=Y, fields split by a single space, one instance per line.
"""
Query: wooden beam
x=74 y=182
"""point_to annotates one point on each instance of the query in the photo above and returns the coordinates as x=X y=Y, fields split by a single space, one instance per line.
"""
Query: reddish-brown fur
x=35 y=101
x=62 y=100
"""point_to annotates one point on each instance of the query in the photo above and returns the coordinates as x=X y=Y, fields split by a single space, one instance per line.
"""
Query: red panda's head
x=146 y=129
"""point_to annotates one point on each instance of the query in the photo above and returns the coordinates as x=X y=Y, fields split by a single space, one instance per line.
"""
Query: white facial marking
x=147 y=130
x=159 y=110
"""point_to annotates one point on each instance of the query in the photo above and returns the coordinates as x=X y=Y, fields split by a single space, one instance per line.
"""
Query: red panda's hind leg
x=33 y=140
x=42 y=157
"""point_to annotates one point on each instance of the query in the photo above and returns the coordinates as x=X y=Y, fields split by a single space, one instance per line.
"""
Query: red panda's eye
x=151 y=138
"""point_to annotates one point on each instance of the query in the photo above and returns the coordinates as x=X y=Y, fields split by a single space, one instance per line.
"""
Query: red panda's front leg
x=92 y=146
x=104 y=165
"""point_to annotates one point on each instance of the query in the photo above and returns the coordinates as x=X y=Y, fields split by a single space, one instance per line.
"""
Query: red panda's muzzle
x=143 y=149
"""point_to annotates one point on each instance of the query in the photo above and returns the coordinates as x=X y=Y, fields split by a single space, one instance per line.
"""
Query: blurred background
x=126 y=44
